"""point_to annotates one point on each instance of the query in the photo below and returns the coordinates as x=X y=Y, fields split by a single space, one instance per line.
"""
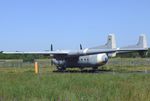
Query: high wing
x=39 y=53
x=67 y=53
x=55 y=54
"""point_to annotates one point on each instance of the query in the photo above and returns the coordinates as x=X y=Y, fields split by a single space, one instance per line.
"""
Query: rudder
x=111 y=42
x=142 y=43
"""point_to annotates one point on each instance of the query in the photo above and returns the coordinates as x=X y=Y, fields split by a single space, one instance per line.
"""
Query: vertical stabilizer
x=142 y=43
x=111 y=41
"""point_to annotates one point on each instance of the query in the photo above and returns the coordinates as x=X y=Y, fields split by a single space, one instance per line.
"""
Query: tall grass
x=24 y=85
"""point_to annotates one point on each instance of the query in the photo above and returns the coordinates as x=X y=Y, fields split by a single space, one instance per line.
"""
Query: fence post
x=36 y=68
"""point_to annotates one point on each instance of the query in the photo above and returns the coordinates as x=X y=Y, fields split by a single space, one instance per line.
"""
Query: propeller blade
x=80 y=47
x=51 y=47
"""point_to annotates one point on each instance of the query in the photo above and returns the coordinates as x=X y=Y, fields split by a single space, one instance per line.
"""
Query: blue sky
x=34 y=24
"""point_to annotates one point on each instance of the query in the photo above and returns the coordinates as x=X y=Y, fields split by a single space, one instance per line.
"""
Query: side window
x=84 y=59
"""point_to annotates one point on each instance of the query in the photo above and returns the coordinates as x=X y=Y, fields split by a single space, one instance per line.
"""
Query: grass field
x=21 y=84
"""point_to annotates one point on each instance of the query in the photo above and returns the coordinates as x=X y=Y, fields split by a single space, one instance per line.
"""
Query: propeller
x=50 y=55
x=80 y=47
x=51 y=47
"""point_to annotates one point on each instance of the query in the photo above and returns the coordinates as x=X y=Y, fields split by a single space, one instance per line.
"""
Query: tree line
x=25 y=57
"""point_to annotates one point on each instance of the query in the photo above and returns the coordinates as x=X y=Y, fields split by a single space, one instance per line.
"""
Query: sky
x=32 y=25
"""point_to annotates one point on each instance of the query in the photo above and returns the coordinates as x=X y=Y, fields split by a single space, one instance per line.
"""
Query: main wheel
x=61 y=68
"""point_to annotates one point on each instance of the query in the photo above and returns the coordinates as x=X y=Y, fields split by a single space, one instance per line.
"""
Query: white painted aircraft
x=90 y=57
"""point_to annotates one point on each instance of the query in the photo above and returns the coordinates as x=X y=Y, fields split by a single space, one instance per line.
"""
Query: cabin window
x=84 y=59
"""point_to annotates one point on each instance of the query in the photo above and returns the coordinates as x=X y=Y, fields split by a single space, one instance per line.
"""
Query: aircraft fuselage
x=82 y=61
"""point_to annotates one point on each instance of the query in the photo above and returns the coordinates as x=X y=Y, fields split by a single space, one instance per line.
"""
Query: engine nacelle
x=102 y=59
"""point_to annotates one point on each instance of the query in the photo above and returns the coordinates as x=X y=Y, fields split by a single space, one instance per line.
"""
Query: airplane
x=90 y=57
